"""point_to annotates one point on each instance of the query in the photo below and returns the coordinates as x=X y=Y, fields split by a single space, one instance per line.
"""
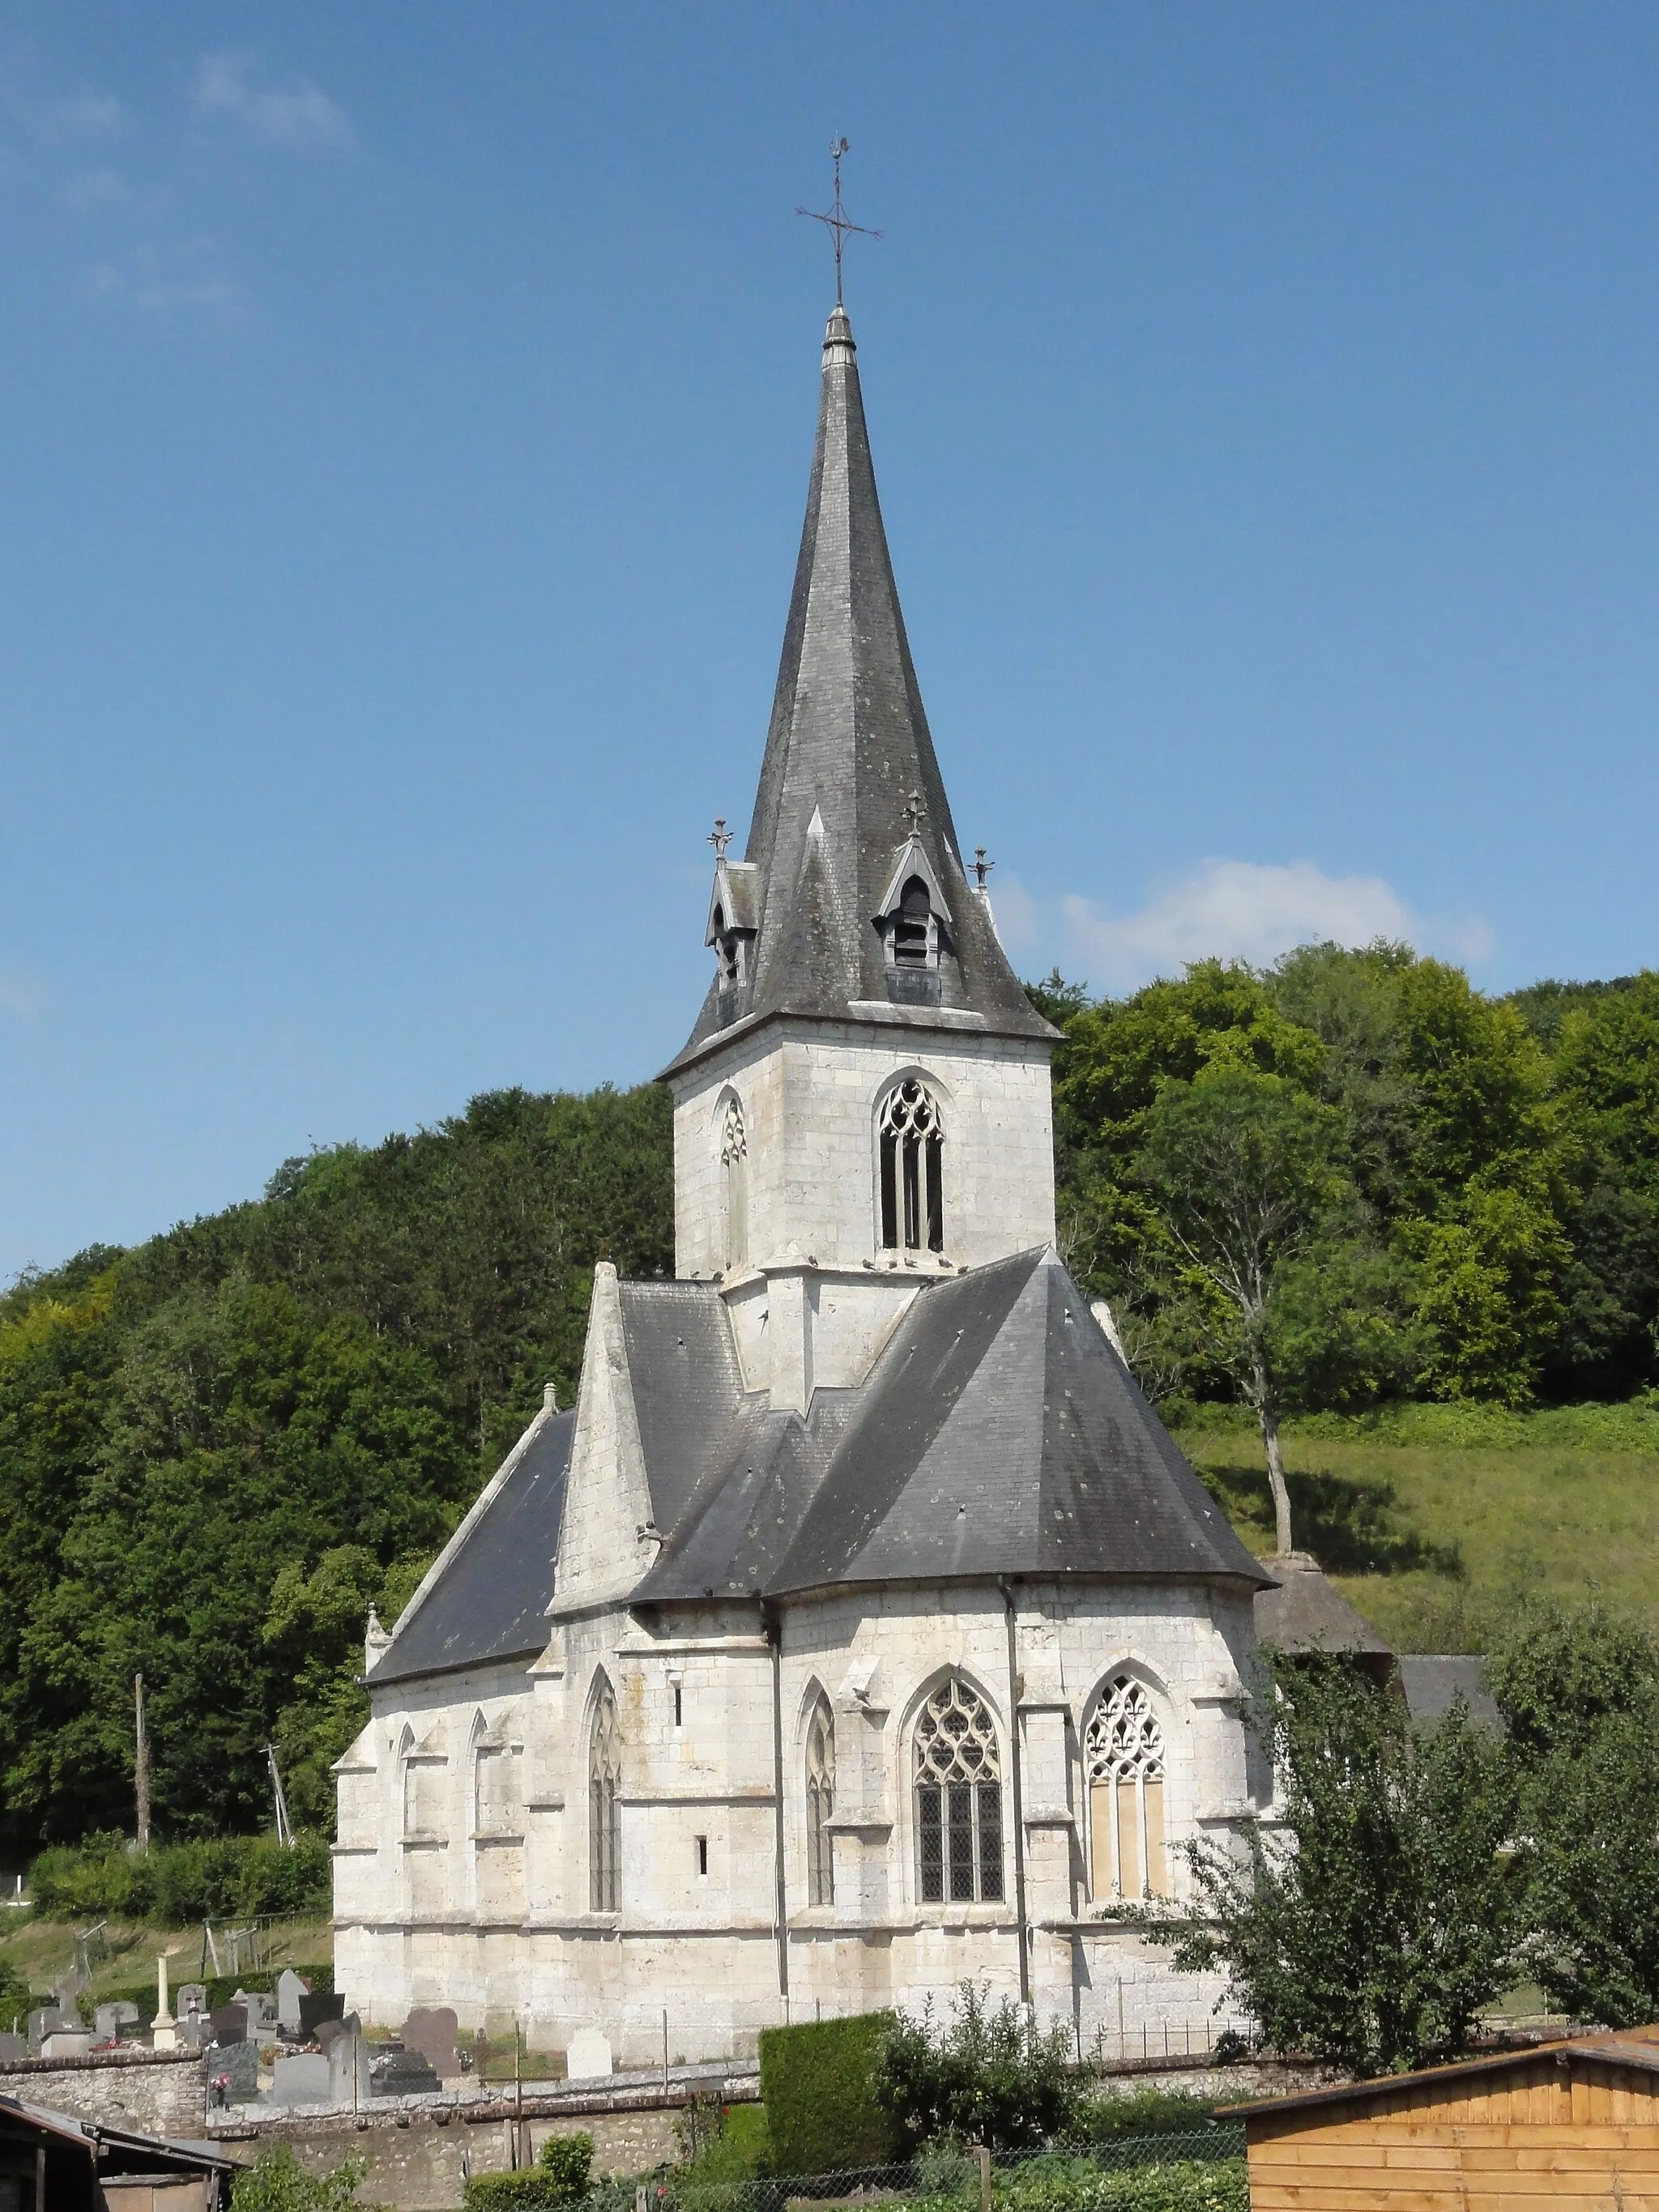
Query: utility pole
x=284 y=1826
x=140 y=1763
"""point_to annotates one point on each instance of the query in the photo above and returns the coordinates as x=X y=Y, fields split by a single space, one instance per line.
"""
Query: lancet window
x=820 y=1804
x=912 y=1135
x=603 y=1813
x=734 y=1181
x=914 y=933
x=1124 y=1756
x=958 y=1786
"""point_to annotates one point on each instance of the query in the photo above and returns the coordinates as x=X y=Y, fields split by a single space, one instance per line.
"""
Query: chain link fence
x=1200 y=2168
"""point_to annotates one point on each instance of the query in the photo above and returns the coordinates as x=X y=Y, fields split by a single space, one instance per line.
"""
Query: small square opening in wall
x=702 y=1854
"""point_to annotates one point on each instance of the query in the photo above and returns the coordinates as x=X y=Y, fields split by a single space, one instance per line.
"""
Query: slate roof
x=998 y=1435
x=1431 y=1684
x=486 y=1598
x=847 y=744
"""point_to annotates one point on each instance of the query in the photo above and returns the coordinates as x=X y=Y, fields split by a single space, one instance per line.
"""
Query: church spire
x=852 y=893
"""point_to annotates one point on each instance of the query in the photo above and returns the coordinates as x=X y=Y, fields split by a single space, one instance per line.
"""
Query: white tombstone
x=67 y=2043
x=289 y=1990
x=589 y=2055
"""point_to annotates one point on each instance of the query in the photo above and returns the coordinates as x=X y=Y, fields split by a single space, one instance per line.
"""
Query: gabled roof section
x=486 y=1597
x=847 y=747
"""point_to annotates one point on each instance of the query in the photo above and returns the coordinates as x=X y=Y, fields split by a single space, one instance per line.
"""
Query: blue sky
x=404 y=417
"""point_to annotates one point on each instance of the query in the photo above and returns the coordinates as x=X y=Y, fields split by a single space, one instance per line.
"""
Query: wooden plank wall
x=1578 y=2138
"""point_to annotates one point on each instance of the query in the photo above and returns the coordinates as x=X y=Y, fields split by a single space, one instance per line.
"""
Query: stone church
x=861 y=1629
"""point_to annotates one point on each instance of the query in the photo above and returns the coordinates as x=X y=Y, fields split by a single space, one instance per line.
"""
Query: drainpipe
x=774 y=1632
x=1019 y=1798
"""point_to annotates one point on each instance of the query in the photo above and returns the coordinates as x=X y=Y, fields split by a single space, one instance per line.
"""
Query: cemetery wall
x=158 y=2092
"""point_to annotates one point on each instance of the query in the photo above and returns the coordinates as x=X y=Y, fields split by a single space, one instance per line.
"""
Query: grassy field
x=1435 y=1524
x=40 y=1950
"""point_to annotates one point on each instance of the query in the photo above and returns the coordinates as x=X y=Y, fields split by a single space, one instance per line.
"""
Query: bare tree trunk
x=1267 y=1413
x=140 y=1763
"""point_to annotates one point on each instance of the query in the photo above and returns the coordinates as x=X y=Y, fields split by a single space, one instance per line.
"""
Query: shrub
x=179 y=1884
x=817 y=2087
x=280 y=2183
x=568 y=2159
x=1111 y=2118
x=531 y=2191
x=1171 y=2185
x=988 y=2074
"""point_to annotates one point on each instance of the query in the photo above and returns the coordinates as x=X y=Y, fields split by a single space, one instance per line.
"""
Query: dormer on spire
x=913 y=908
x=733 y=920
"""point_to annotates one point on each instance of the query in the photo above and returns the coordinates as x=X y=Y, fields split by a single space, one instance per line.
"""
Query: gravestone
x=192 y=1998
x=229 y=2023
x=233 y=2072
x=42 y=2023
x=348 y=2082
x=111 y=2021
x=66 y=2043
x=321 y=2005
x=12 y=2048
x=195 y=2032
x=289 y=1990
x=261 y=2012
x=589 y=2055
x=304 y=2079
x=398 y=2072
x=431 y=2031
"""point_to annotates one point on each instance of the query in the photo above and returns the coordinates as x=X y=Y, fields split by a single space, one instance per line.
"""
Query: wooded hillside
x=217 y=1449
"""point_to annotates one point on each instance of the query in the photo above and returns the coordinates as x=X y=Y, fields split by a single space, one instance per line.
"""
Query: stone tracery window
x=603 y=1815
x=1124 y=1758
x=912 y=1132
x=734 y=1181
x=958 y=1787
x=820 y=1804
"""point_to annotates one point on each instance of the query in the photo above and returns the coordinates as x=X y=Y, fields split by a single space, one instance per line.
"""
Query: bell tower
x=863 y=1105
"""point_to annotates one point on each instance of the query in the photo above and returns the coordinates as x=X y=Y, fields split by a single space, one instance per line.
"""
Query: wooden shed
x=1573 y=2124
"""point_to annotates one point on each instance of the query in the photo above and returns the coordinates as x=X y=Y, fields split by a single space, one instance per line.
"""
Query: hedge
x=181 y=1885
x=559 y=2177
x=821 y=2112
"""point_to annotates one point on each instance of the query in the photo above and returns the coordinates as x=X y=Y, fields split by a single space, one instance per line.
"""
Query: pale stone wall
x=810 y=1095
x=703 y=1947
x=153 y=2092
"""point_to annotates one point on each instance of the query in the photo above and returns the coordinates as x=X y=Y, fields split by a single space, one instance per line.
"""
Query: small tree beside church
x=1381 y=1919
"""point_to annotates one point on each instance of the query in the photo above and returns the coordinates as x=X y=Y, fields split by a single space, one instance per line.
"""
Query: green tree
x=1244 y=1169
x=1379 y=1918
x=987 y=2073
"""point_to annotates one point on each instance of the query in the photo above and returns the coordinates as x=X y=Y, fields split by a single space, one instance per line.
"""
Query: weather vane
x=835 y=221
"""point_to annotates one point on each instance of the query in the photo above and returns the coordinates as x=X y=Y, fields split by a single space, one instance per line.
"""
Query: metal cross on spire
x=835 y=221
x=914 y=813
x=719 y=836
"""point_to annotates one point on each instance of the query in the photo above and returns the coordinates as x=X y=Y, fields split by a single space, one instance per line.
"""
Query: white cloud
x=1250 y=910
x=298 y=113
x=165 y=281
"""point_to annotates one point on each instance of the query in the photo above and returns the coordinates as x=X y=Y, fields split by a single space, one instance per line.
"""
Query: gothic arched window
x=1123 y=1756
x=820 y=1804
x=912 y=1168
x=734 y=1183
x=603 y=1817
x=959 y=1798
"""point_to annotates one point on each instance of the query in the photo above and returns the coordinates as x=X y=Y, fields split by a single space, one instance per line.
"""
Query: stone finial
x=375 y=1640
x=550 y=1397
